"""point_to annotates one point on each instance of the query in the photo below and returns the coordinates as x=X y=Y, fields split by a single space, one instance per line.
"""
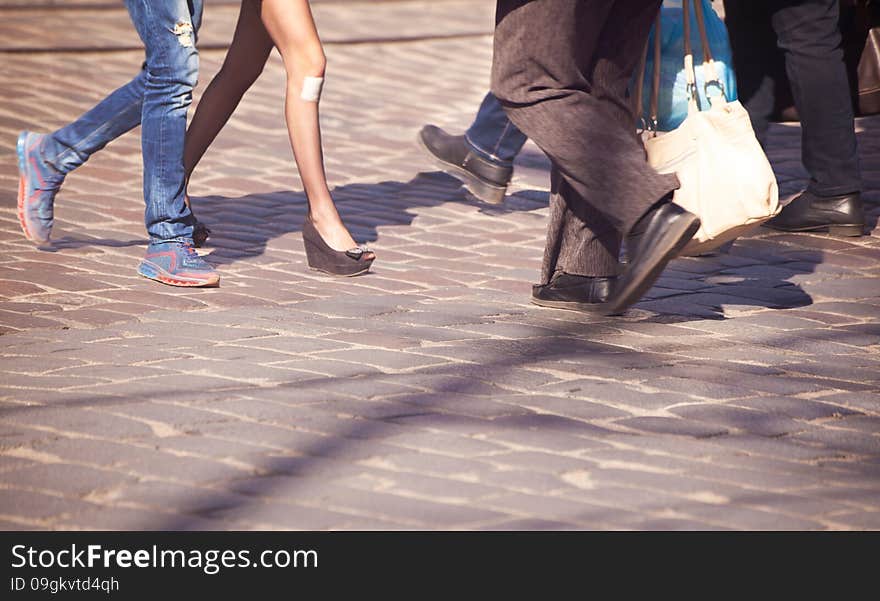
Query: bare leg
x=244 y=62
x=288 y=25
x=292 y=29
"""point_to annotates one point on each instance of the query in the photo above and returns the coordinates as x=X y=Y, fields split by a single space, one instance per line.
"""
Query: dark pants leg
x=757 y=61
x=808 y=33
x=561 y=71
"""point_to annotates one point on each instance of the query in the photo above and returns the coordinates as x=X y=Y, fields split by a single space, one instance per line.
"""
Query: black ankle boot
x=838 y=215
x=483 y=178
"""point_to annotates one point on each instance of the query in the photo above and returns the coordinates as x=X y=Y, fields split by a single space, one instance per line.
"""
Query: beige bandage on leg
x=311 y=91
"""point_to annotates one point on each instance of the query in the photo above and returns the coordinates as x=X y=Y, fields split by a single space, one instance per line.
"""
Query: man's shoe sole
x=568 y=305
x=479 y=189
x=152 y=271
x=677 y=236
x=847 y=230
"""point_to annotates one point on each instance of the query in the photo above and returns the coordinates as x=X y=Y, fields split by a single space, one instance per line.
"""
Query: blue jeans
x=492 y=135
x=158 y=100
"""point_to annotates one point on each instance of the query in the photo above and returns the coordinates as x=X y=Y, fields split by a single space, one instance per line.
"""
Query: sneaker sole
x=22 y=184
x=22 y=191
x=678 y=235
x=156 y=273
x=480 y=190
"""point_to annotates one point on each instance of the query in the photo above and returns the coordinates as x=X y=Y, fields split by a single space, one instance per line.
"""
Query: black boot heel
x=322 y=257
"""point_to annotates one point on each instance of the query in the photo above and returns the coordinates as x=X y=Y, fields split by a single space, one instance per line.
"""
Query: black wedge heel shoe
x=321 y=257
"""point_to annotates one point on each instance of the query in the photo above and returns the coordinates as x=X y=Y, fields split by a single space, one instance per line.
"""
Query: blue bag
x=673 y=90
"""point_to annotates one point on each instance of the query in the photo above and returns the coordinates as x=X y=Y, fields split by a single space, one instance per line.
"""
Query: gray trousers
x=561 y=71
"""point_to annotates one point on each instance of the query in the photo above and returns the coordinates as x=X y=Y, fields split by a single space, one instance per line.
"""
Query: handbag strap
x=650 y=124
x=690 y=73
x=639 y=95
x=709 y=70
x=655 y=82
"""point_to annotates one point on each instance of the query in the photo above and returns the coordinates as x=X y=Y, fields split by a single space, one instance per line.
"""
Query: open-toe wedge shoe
x=322 y=257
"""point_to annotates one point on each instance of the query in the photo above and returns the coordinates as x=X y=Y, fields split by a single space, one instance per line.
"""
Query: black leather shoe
x=484 y=179
x=656 y=239
x=574 y=292
x=838 y=215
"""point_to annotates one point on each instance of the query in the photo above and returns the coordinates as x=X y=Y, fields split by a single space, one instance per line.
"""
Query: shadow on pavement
x=308 y=465
x=243 y=227
x=754 y=274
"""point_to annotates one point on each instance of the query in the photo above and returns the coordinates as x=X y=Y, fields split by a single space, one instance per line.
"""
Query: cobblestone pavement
x=742 y=393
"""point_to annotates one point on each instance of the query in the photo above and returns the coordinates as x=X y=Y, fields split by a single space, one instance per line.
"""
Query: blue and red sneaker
x=37 y=186
x=177 y=264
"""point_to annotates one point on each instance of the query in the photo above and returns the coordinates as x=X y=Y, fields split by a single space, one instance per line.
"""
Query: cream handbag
x=726 y=179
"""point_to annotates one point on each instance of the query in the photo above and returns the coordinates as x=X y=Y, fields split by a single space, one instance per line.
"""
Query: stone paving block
x=166 y=387
x=511 y=374
x=864 y=520
x=574 y=408
x=841 y=371
x=429 y=463
x=763 y=480
x=128 y=519
x=19 y=321
x=293 y=345
x=685 y=487
x=553 y=424
x=64 y=479
x=329 y=368
x=784 y=449
x=671 y=524
x=530 y=525
x=800 y=409
x=370 y=386
x=444 y=444
x=414 y=511
x=13 y=288
x=753 y=422
x=273 y=515
x=539 y=461
x=31 y=506
x=463 y=404
x=700 y=389
x=29 y=364
x=545 y=440
x=566 y=510
x=857 y=401
x=638 y=501
x=77 y=421
x=417 y=486
x=842 y=440
x=847 y=309
x=448 y=382
x=753 y=519
x=125 y=455
x=673 y=426
x=867 y=424
x=369 y=412
x=846 y=289
x=272 y=436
